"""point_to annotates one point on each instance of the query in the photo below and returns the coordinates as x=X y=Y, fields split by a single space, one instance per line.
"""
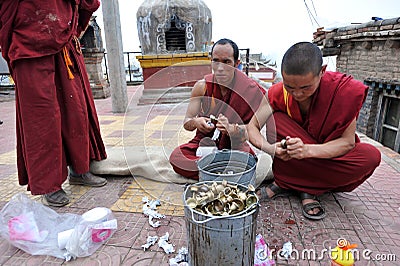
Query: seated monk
x=310 y=121
x=230 y=96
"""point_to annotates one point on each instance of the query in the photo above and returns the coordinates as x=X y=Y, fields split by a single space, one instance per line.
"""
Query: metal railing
x=133 y=71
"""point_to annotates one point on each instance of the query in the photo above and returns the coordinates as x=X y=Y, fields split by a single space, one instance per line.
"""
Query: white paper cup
x=205 y=150
x=63 y=238
x=97 y=215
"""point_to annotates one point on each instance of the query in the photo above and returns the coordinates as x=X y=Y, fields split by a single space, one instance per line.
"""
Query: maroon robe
x=334 y=105
x=238 y=105
x=57 y=123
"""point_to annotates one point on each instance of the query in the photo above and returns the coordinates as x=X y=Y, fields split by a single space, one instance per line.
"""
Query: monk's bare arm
x=192 y=120
x=331 y=149
x=258 y=120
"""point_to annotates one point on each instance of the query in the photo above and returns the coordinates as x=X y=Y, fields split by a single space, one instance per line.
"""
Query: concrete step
x=165 y=95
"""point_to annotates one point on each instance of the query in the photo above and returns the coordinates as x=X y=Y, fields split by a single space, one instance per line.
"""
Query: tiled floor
x=368 y=216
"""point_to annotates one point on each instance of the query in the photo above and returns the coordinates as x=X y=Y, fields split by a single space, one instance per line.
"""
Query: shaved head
x=301 y=59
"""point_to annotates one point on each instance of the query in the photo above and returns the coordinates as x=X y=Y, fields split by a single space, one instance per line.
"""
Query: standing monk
x=312 y=130
x=57 y=124
x=227 y=94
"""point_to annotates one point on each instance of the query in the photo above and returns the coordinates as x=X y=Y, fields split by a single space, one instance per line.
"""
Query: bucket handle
x=220 y=217
x=228 y=150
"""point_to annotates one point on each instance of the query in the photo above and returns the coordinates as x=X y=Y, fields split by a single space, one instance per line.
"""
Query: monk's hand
x=204 y=124
x=296 y=148
x=281 y=152
x=223 y=124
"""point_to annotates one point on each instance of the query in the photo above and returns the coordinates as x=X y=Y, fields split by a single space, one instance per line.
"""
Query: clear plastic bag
x=39 y=230
x=33 y=227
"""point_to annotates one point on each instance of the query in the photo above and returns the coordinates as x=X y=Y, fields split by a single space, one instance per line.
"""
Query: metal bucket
x=220 y=240
x=233 y=166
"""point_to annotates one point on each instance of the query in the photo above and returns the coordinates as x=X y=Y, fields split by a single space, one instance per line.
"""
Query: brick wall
x=366 y=51
x=377 y=62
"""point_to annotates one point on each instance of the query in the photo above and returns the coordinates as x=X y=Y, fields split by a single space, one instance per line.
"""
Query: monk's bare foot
x=271 y=191
x=314 y=210
x=265 y=190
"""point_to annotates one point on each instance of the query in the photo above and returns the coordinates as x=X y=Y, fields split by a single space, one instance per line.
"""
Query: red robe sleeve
x=335 y=104
x=8 y=9
x=86 y=9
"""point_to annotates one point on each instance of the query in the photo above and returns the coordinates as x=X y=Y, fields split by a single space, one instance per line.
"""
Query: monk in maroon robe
x=227 y=94
x=57 y=124
x=311 y=123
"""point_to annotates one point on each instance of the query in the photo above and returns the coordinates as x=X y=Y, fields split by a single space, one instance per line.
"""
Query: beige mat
x=152 y=163
x=149 y=162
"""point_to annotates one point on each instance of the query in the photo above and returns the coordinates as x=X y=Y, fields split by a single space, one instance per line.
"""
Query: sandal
x=57 y=199
x=278 y=191
x=312 y=205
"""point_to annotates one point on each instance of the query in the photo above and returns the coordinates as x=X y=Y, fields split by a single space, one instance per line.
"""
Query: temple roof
x=373 y=30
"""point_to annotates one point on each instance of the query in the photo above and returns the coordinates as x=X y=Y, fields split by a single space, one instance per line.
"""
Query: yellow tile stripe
x=131 y=200
x=9 y=187
x=9 y=157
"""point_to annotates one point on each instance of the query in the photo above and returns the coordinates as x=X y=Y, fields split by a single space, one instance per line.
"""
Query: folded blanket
x=152 y=162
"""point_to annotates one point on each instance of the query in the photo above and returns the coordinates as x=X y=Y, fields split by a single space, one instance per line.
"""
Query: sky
x=265 y=26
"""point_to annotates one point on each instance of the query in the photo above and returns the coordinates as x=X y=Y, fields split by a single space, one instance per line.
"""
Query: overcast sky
x=265 y=26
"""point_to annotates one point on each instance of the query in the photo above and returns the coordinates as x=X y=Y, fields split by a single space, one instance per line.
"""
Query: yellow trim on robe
x=286 y=99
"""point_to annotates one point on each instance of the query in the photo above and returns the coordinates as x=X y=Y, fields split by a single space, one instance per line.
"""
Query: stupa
x=175 y=38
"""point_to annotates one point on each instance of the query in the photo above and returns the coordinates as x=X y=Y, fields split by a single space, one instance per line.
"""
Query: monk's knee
x=186 y=173
x=182 y=165
x=372 y=155
x=184 y=169
x=174 y=156
x=375 y=157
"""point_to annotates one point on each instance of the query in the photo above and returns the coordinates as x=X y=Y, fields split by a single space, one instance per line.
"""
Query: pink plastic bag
x=263 y=256
x=24 y=227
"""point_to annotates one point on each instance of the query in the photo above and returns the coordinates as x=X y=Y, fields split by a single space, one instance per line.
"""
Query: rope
x=68 y=63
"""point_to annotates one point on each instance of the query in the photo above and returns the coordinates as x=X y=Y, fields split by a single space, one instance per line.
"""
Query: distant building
x=370 y=52
x=260 y=68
